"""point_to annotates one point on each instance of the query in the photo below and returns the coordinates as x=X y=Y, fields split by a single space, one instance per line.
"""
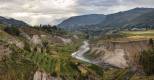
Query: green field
x=139 y=33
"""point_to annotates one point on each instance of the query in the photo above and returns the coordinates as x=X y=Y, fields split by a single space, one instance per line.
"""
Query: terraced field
x=138 y=35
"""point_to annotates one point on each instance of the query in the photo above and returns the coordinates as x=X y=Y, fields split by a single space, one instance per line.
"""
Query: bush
x=147 y=61
x=151 y=43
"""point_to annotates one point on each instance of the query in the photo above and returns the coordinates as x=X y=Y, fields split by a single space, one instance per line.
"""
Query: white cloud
x=38 y=11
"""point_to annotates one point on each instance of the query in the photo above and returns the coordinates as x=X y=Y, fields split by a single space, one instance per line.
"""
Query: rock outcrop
x=117 y=54
x=41 y=75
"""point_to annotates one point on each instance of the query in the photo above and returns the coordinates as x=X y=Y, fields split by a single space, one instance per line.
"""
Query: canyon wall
x=117 y=54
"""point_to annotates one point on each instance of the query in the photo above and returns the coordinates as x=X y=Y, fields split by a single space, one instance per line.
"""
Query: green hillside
x=48 y=56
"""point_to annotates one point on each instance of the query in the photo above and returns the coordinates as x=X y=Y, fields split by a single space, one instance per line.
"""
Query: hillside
x=144 y=20
x=79 y=21
x=27 y=53
x=50 y=53
x=120 y=50
x=134 y=18
x=117 y=46
x=120 y=53
x=12 y=22
x=122 y=18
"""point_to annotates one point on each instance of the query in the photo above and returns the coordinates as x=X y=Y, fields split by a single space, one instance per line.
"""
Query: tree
x=146 y=61
x=151 y=43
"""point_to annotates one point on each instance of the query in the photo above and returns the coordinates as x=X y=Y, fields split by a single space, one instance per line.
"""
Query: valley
x=118 y=46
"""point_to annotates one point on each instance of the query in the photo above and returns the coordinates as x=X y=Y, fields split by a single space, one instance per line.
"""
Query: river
x=82 y=50
x=114 y=58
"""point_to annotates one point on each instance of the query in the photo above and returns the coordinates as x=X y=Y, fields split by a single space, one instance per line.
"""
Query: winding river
x=114 y=58
x=83 y=49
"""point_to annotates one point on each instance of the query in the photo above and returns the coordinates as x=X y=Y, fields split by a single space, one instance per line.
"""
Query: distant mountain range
x=137 y=17
x=99 y=23
x=12 y=22
x=77 y=21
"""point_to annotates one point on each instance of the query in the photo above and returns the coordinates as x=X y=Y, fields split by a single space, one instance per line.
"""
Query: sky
x=35 y=12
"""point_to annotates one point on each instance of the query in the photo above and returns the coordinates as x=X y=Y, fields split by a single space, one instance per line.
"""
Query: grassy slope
x=126 y=36
x=137 y=35
x=58 y=62
x=22 y=63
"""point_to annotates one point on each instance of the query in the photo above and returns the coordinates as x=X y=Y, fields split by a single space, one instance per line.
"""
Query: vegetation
x=51 y=29
x=54 y=58
x=147 y=58
x=2 y=26
x=141 y=33
x=126 y=36
x=138 y=34
x=16 y=67
x=12 y=30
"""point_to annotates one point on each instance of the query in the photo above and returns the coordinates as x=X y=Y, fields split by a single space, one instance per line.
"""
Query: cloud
x=38 y=11
x=54 y=11
x=111 y=6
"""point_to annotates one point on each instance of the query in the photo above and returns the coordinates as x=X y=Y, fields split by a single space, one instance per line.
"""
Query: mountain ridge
x=12 y=22
x=119 y=20
x=82 y=20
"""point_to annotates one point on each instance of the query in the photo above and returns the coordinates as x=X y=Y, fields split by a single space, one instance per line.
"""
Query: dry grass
x=138 y=35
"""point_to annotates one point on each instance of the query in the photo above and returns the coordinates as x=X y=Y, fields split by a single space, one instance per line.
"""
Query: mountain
x=78 y=21
x=122 y=18
x=137 y=17
x=12 y=22
x=144 y=20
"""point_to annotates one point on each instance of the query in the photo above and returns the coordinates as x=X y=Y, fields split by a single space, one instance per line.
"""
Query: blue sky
x=54 y=11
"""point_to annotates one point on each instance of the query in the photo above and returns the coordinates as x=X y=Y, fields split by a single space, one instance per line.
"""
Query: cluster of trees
x=51 y=29
x=12 y=30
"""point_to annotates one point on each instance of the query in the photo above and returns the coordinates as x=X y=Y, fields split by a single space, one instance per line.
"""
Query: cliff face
x=117 y=54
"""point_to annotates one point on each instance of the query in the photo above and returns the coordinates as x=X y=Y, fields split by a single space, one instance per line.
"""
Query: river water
x=82 y=50
x=115 y=58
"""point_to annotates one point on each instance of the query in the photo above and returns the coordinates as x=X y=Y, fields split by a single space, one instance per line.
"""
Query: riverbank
x=80 y=53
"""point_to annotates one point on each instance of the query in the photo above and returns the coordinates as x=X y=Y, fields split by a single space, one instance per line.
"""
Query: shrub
x=147 y=61
x=151 y=43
